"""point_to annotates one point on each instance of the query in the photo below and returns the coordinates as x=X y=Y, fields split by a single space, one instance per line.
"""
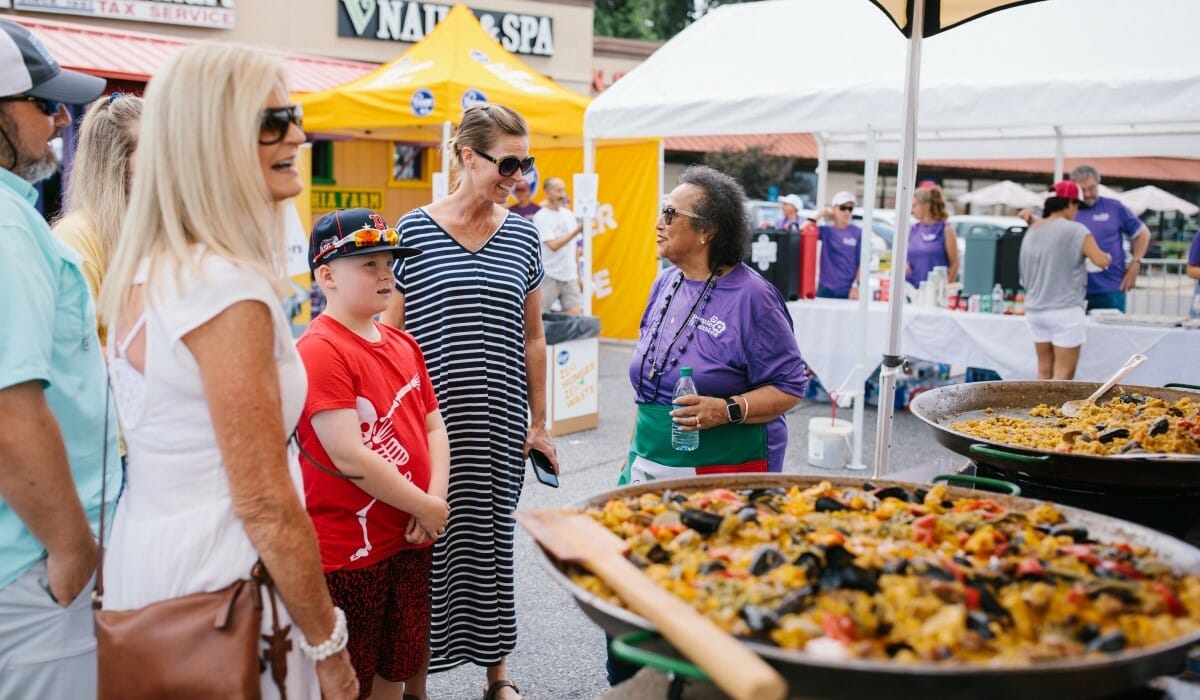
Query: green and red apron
x=724 y=449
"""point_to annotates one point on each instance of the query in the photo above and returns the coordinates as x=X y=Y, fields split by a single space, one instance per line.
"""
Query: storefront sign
x=217 y=14
x=330 y=198
x=404 y=20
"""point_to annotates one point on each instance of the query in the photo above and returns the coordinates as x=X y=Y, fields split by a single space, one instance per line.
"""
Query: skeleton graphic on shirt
x=379 y=434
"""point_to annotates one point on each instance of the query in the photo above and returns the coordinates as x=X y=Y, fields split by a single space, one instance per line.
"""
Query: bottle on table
x=1019 y=305
x=1010 y=302
x=997 y=299
x=684 y=441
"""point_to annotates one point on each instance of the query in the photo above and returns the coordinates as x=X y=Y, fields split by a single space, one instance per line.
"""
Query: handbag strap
x=98 y=590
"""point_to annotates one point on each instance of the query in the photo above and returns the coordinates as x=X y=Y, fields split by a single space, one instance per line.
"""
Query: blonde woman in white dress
x=206 y=378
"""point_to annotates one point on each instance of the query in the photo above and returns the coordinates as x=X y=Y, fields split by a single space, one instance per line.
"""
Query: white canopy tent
x=1006 y=193
x=1088 y=77
x=1151 y=198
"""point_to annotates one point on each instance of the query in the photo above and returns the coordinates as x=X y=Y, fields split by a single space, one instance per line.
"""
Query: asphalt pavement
x=560 y=652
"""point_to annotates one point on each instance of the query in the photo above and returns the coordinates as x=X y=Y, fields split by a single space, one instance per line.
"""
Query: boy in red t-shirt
x=375 y=455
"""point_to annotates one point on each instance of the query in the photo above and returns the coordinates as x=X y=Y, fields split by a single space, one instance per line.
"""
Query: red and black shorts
x=387 y=614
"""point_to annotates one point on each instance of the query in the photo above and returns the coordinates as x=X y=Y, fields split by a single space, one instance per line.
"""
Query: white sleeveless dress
x=174 y=531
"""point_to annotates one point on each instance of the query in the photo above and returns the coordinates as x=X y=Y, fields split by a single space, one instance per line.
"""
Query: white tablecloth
x=826 y=330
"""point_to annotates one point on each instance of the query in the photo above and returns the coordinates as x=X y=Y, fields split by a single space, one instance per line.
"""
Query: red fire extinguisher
x=808 y=260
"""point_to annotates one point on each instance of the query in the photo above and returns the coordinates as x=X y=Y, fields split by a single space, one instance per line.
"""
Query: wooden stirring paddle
x=577 y=538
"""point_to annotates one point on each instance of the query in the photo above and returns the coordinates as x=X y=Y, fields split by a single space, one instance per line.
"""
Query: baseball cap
x=843 y=197
x=347 y=232
x=27 y=68
x=1067 y=190
x=793 y=200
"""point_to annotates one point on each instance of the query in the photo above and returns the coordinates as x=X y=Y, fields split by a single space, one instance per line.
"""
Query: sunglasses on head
x=276 y=121
x=361 y=238
x=48 y=107
x=508 y=165
x=669 y=213
x=847 y=207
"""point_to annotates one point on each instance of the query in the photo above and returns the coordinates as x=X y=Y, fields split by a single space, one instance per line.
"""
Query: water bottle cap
x=685 y=371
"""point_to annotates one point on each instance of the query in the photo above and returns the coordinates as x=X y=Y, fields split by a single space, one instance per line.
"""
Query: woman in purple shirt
x=1193 y=271
x=931 y=241
x=714 y=314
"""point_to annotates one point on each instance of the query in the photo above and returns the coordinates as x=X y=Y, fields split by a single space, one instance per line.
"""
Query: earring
x=703 y=241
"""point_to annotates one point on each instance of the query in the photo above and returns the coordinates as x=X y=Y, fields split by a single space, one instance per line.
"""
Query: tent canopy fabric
x=1005 y=192
x=455 y=66
x=1112 y=77
x=1151 y=198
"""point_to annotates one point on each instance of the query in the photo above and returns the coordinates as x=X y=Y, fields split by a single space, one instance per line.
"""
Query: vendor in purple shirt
x=841 y=245
x=931 y=240
x=524 y=206
x=791 y=205
x=1108 y=219
x=1193 y=271
x=711 y=312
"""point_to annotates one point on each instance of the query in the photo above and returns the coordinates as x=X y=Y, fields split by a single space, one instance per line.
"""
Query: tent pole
x=904 y=188
x=446 y=130
x=589 y=167
x=1058 y=154
x=864 y=295
x=822 y=171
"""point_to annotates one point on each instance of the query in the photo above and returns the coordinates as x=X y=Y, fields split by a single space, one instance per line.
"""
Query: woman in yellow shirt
x=97 y=192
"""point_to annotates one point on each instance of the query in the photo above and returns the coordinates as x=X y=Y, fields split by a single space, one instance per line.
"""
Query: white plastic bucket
x=829 y=442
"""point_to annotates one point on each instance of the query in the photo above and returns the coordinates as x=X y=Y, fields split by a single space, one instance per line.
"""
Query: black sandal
x=493 y=690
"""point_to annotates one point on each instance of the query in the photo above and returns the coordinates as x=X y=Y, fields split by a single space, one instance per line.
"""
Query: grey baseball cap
x=27 y=68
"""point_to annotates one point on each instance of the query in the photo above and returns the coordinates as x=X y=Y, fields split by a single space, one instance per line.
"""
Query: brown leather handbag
x=201 y=646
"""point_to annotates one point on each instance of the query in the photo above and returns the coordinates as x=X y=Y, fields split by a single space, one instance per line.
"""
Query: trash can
x=992 y=255
x=572 y=372
x=775 y=255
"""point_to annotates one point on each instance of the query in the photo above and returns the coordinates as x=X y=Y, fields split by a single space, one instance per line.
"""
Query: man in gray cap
x=58 y=424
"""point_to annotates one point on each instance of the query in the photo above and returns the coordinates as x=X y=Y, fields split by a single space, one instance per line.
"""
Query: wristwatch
x=733 y=410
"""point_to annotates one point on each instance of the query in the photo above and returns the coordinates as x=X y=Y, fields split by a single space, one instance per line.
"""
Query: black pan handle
x=1179 y=385
x=996 y=484
x=997 y=453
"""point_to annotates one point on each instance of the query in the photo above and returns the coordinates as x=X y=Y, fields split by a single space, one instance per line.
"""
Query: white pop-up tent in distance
x=1085 y=77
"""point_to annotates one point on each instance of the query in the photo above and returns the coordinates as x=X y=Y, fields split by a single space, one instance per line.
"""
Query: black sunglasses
x=276 y=121
x=847 y=207
x=48 y=107
x=669 y=213
x=508 y=165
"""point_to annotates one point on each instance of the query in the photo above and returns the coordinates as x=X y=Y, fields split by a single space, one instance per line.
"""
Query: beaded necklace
x=659 y=362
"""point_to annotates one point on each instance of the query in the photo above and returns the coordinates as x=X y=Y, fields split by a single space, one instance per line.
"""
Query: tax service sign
x=214 y=14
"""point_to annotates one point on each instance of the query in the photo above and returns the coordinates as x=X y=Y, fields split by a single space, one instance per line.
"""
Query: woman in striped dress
x=471 y=300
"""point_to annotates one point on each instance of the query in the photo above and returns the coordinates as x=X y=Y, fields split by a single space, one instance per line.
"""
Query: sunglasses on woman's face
x=508 y=165
x=847 y=207
x=48 y=107
x=276 y=121
x=669 y=213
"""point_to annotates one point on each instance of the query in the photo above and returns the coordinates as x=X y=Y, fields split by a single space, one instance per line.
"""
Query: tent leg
x=589 y=167
x=904 y=188
x=1058 y=154
x=864 y=297
x=822 y=171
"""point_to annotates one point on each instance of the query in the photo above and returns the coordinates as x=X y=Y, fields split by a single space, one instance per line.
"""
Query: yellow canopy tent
x=457 y=65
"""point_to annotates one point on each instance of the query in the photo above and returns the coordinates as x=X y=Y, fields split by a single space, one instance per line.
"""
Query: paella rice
x=889 y=573
x=1127 y=424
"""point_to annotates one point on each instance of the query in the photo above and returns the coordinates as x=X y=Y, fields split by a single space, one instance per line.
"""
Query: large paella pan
x=1105 y=669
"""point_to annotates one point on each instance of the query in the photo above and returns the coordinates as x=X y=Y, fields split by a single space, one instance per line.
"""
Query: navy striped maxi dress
x=466 y=310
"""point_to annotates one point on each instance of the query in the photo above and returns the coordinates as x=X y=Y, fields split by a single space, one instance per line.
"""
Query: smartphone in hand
x=542 y=468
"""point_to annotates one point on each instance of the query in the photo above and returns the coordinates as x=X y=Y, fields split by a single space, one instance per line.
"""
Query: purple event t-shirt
x=742 y=339
x=526 y=211
x=840 y=248
x=1194 y=251
x=926 y=250
x=1106 y=221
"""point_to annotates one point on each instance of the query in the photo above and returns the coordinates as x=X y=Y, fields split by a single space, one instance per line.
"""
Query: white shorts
x=565 y=291
x=1064 y=328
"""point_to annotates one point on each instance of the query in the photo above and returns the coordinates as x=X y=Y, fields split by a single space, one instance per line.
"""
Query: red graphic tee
x=387 y=385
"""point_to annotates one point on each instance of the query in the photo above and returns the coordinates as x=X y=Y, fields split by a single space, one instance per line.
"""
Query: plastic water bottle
x=681 y=440
x=997 y=299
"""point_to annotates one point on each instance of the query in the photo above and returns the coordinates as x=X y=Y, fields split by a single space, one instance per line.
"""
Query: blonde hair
x=98 y=188
x=932 y=195
x=199 y=178
x=480 y=126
